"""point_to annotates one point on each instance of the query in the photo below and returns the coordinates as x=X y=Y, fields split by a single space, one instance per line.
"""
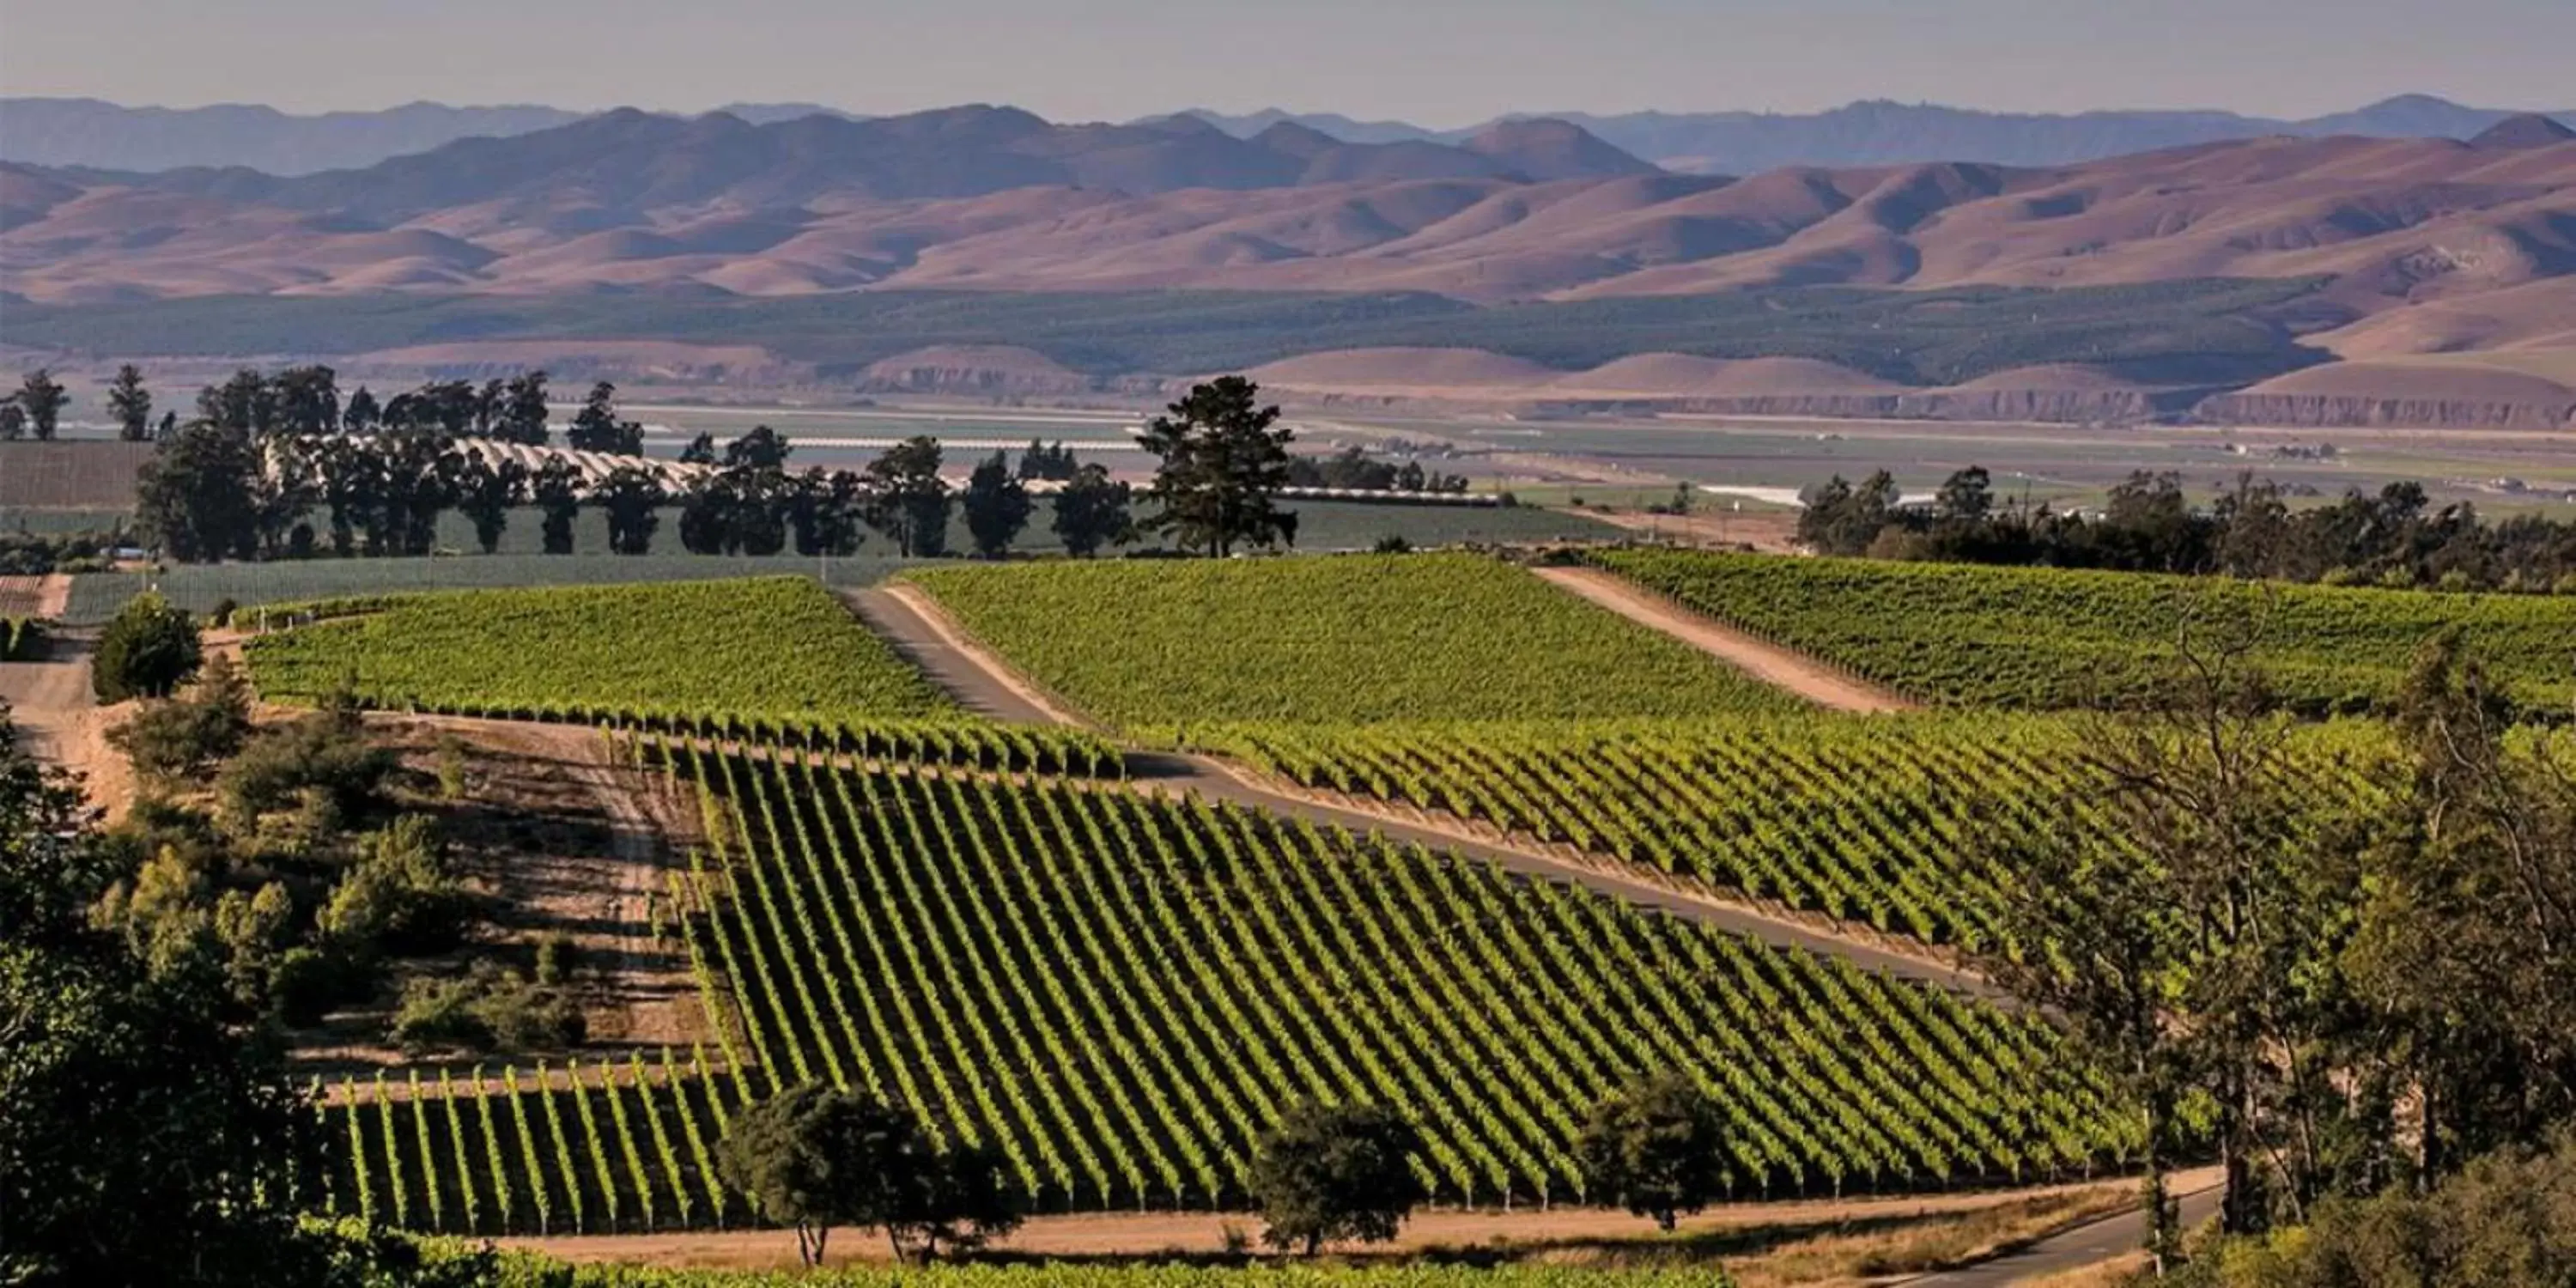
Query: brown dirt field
x=1764 y=661
x=586 y=857
x=1109 y=1234
x=35 y=596
x=561 y=839
x=1775 y=531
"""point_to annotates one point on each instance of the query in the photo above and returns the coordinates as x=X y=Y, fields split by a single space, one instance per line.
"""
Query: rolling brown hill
x=2431 y=247
x=998 y=200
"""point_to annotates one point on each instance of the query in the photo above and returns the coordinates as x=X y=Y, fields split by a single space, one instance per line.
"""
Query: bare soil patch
x=559 y=839
x=1764 y=661
x=1841 y=1233
x=59 y=720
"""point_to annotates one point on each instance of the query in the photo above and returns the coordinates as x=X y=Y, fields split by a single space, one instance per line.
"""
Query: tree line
x=2394 y=538
x=277 y=466
x=2366 y=1019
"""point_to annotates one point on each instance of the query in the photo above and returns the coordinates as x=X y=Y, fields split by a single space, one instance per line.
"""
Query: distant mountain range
x=620 y=168
x=91 y=134
x=1879 y=132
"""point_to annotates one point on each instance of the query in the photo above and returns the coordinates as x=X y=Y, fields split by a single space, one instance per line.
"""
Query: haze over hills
x=2380 y=250
x=106 y=136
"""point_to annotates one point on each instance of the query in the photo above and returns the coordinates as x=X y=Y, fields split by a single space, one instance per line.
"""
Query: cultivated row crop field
x=1120 y=991
x=771 y=647
x=1894 y=821
x=1161 y=647
x=2048 y=638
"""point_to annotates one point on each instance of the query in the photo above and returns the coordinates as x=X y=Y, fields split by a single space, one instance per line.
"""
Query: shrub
x=489 y=1009
x=147 y=650
x=182 y=737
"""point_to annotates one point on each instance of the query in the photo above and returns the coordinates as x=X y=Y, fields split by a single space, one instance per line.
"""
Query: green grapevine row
x=1880 y=820
x=2043 y=638
x=1120 y=993
x=1159 y=647
x=780 y=648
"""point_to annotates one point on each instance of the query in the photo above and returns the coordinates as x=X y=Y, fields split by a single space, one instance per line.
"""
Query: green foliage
x=773 y=647
x=1091 y=512
x=489 y=1010
x=1333 y=1172
x=321 y=767
x=2048 y=638
x=1157 y=645
x=1656 y=1148
x=814 y=1157
x=1887 y=821
x=147 y=650
x=907 y=500
x=1223 y=462
x=997 y=506
x=2507 y=1221
x=196 y=1173
x=400 y=897
x=183 y=737
x=870 y=928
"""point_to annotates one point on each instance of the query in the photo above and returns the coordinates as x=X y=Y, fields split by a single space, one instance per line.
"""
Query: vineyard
x=1880 y=821
x=1120 y=992
x=773 y=648
x=2046 y=638
x=1157 y=646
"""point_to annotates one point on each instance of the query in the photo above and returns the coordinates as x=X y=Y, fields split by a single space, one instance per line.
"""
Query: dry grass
x=2115 y=1273
x=1859 y=1255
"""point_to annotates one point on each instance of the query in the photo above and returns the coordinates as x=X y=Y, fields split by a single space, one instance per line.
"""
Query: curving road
x=2088 y=1244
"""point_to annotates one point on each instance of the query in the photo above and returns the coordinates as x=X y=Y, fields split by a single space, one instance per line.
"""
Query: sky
x=1433 y=62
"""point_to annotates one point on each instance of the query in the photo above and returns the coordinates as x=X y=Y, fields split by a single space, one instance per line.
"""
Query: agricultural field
x=2049 y=638
x=1880 y=821
x=201 y=588
x=1159 y=647
x=68 y=474
x=1010 y=960
x=760 y=648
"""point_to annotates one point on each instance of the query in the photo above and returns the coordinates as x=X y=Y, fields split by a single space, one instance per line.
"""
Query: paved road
x=2088 y=1244
x=979 y=685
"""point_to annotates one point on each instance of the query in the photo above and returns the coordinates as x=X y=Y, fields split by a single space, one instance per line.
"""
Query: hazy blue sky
x=1440 y=62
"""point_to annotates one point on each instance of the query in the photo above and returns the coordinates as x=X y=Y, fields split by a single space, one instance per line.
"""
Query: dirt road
x=980 y=680
x=1145 y=1233
x=1764 y=661
x=59 y=720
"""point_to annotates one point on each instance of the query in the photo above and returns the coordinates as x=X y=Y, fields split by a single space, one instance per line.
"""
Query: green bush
x=489 y=1009
x=148 y=650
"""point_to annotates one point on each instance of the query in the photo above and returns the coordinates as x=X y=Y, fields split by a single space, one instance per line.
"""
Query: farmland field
x=1878 y=821
x=1120 y=992
x=200 y=588
x=2049 y=638
x=1155 y=646
x=760 y=647
x=1324 y=526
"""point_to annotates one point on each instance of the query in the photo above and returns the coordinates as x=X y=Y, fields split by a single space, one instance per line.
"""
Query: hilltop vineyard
x=1162 y=647
x=767 y=647
x=1120 y=992
x=1881 y=821
x=2054 y=638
